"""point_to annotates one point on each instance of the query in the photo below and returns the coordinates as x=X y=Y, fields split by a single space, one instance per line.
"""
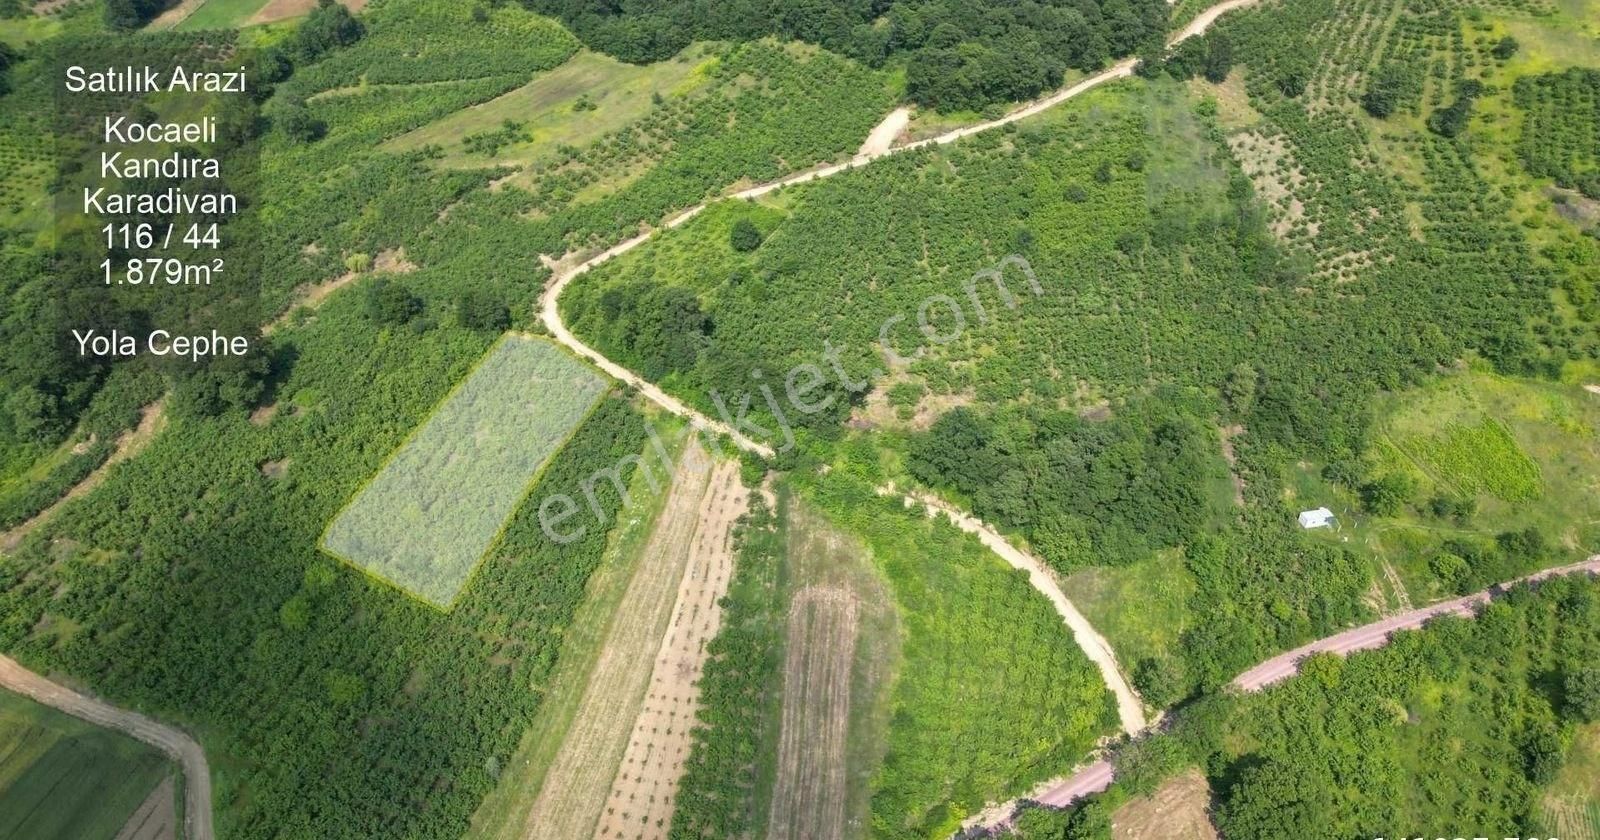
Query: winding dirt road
x=1376 y=634
x=1130 y=708
x=175 y=743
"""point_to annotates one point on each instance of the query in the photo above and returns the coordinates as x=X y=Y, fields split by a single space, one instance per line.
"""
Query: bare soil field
x=841 y=650
x=1178 y=810
x=639 y=806
x=276 y=10
x=156 y=818
x=812 y=787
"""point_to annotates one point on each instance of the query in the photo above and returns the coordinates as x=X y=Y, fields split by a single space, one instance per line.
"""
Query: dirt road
x=1130 y=709
x=175 y=743
x=1097 y=777
x=151 y=420
x=883 y=136
x=1376 y=634
x=564 y=271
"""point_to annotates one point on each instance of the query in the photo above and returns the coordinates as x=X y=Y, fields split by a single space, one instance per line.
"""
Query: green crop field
x=441 y=500
x=64 y=779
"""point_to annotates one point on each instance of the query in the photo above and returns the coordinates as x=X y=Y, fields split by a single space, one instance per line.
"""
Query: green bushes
x=993 y=695
x=740 y=690
x=958 y=55
x=1455 y=725
x=1084 y=492
x=1561 y=128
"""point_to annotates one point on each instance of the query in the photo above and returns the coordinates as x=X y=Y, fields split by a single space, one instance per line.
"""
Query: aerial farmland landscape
x=779 y=420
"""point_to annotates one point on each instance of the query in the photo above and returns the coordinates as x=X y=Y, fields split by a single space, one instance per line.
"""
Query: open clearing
x=1178 y=810
x=555 y=107
x=428 y=516
x=1570 y=806
x=640 y=804
x=633 y=692
x=841 y=648
x=1524 y=452
x=64 y=778
x=811 y=791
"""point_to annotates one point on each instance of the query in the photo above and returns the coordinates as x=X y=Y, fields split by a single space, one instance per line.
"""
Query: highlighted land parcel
x=427 y=518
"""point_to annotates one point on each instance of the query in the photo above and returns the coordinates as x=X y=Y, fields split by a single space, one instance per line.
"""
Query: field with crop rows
x=64 y=779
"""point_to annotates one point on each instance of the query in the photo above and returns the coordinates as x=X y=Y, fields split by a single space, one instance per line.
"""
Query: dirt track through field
x=810 y=792
x=175 y=743
x=155 y=818
x=645 y=790
x=151 y=420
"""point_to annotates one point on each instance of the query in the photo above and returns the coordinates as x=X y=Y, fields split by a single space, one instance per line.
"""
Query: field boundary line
x=175 y=743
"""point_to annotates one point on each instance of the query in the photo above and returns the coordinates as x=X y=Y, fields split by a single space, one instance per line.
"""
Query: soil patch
x=645 y=790
x=156 y=818
x=811 y=790
x=277 y=10
x=1178 y=810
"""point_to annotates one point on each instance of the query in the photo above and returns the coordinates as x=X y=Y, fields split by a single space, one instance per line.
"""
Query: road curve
x=1130 y=708
x=175 y=743
x=1097 y=777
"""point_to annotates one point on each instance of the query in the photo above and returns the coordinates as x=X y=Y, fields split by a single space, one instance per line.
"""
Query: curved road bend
x=1098 y=776
x=175 y=743
x=1130 y=708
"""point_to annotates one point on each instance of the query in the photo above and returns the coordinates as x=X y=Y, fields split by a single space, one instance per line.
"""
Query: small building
x=1318 y=518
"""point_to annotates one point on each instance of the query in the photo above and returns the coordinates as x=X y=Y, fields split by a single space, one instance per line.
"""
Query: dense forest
x=1083 y=492
x=958 y=54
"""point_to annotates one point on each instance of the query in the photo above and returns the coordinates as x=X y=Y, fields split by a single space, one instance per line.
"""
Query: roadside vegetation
x=956 y=56
x=1463 y=727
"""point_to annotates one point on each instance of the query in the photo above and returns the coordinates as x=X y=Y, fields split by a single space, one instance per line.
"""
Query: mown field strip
x=810 y=793
x=574 y=792
x=643 y=795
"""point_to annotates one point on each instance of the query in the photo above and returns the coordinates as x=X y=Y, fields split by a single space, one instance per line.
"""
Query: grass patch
x=64 y=779
x=220 y=14
x=575 y=104
x=1142 y=608
x=1475 y=435
x=1477 y=458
